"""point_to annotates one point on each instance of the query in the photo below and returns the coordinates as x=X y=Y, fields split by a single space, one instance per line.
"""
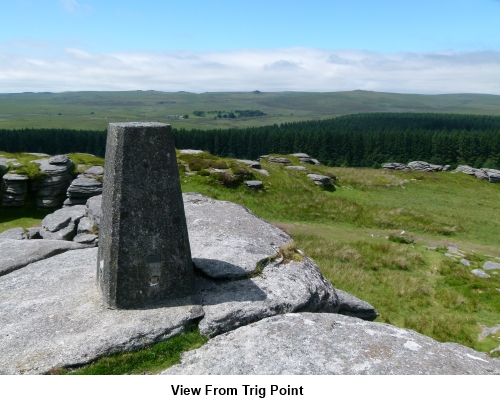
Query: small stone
x=455 y=251
x=480 y=273
x=58 y=160
x=190 y=152
x=491 y=266
x=274 y=159
x=254 y=184
x=465 y=262
x=95 y=170
x=262 y=171
x=296 y=168
x=320 y=180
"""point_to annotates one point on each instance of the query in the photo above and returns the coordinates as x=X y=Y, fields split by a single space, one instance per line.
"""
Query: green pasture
x=94 y=110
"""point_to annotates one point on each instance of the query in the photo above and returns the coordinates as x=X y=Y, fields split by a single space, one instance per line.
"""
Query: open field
x=94 y=110
x=352 y=231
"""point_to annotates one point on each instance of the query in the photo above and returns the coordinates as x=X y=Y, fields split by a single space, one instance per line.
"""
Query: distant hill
x=94 y=110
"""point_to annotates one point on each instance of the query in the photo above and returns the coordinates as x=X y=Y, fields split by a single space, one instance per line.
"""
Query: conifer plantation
x=359 y=140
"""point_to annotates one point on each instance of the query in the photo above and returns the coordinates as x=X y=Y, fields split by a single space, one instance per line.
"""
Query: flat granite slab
x=15 y=254
x=307 y=343
x=52 y=315
x=227 y=240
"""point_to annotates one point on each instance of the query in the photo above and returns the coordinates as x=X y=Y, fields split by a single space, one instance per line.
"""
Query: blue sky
x=385 y=45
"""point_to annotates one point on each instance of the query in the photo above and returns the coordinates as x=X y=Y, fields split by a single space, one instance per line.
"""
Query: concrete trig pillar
x=144 y=256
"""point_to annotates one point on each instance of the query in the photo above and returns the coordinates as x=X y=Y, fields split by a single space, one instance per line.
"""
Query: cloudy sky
x=404 y=46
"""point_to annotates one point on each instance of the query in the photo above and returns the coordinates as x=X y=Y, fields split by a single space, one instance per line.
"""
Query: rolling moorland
x=353 y=231
x=94 y=110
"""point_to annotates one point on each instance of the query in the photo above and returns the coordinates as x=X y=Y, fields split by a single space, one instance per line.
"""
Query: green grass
x=148 y=360
x=22 y=217
x=74 y=109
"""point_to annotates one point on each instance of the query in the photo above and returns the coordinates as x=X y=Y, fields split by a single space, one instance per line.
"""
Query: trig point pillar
x=144 y=256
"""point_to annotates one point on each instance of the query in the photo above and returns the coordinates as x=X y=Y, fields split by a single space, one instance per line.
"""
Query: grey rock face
x=307 y=343
x=396 y=166
x=81 y=189
x=480 y=273
x=95 y=170
x=61 y=225
x=300 y=155
x=352 y=306
x=255 y=184
x=93 y=209
x=56 y=169
x=85 y=226
x=34 y=232
x=52 y=189
x=425 y=167
x=86 y=238
x=19 y=253
x=144 y=254
x=53 y=316
x=14 y=187
x=320 y=180
x=491 y=266
x=296 y=286
x=15 y=233
x=302 y=168
x=226 y=239
x=58 y=160
x=274 y=159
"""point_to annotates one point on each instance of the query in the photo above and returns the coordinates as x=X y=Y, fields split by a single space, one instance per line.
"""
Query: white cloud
x=293 y=69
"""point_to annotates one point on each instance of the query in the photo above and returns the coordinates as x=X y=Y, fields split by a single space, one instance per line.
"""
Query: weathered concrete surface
x=144 y=254
x=309 y=343
x=296 y=286
x=52 y=315
x=19 y=253
x=227 y=240
x=353 y=306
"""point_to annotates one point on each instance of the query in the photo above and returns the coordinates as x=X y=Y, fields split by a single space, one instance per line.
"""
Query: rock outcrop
x=58 y=175
x=319 y=179
x=307 y=343
x=243 y=275
x=492 y=175
x=14 y=187
x=62 y=224
x=416 y=165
